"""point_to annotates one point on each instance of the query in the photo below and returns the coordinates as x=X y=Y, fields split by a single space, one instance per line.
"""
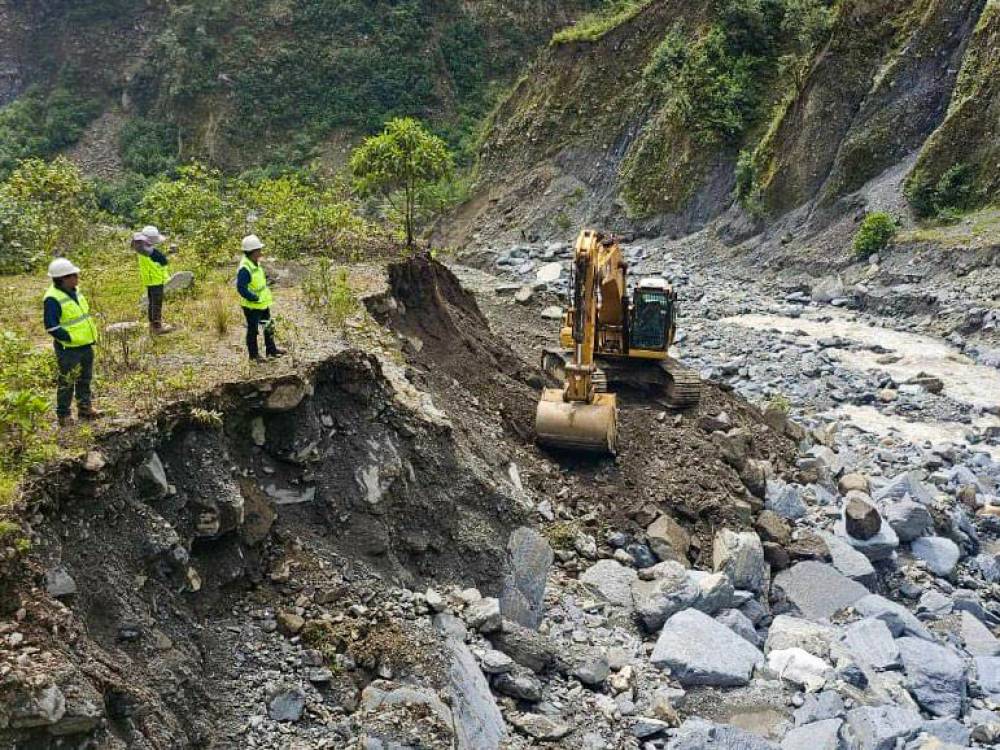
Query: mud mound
x=442 y=321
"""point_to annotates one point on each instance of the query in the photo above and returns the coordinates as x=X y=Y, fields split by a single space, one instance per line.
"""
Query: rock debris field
x=379 y=557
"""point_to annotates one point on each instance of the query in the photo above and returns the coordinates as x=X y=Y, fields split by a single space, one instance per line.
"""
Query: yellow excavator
x=606 y=338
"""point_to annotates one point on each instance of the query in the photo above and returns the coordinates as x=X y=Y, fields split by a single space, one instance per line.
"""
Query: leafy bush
x=26 y=378
x=952 y=194
x=300 y=217
x=121 y=197
x=397 y=164
x=669 y=57
x=148 y=147
x=44 y=207
x=875 y=234
x=716 y=92
x=39 y=124
x=194 y=207
x=328 y=293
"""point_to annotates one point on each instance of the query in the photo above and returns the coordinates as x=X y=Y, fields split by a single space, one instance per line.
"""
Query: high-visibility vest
x=75 y=318
x=258 y=286
x=151 y=272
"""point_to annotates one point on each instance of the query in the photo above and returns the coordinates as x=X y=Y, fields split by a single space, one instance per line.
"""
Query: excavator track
x=684 y=386
x=679 y=386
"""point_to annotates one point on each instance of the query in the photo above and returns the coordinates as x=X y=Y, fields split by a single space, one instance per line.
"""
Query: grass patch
x=594 y=26
x=974 y=229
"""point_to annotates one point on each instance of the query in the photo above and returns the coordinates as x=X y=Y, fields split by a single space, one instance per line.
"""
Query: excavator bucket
x=577 y=425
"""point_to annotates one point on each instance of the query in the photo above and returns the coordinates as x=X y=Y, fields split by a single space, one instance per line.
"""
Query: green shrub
x=874 y=235
x=299 y=217
x=44 y=207
x=38 y=124
x=328 y=293
x=951 y=195
x=121 y=197
x=148 y=147
x=716 y=92
x=26 y=379
x=668 y=59
x=194 y=208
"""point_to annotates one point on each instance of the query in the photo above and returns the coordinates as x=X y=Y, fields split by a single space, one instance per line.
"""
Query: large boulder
x=612 y=582
x=941 y=555
x=800 y=668
x=976 y=637
x=988 y=675
x=700 y=651
x=151 y=479
x=529 y=558
x=668 y=539
x=848 y=561
x=740 y=555
x=788 y=632
x=478 y=722
x=878 y=727
x=861 y=518
x=909 y=484
x=870 y=642
x=898 y=618
x=670 y=591
x=908 y=518
x=816 y=589
x=820 y=735
x=935 y=676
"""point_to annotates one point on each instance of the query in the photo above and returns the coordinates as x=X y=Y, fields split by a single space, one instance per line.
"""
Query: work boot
x=88 y=413
x=158 y=329
x=257 y=359
x=276 y=353
x=66 y=421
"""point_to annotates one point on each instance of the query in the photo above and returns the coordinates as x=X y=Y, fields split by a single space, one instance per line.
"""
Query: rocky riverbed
x=379 y=557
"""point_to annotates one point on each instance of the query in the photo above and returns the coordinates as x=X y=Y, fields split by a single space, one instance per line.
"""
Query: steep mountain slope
x=244 y=82
x=642 y=128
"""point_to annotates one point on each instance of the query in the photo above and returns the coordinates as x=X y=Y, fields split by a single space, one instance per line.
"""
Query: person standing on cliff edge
x=256 y=299
x=74 y=334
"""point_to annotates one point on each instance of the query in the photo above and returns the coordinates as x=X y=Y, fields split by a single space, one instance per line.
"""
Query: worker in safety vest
x=68 y=321
x=255 y=297
x=154 y=274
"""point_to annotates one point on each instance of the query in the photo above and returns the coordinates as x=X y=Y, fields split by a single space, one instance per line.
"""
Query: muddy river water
x=965 y=382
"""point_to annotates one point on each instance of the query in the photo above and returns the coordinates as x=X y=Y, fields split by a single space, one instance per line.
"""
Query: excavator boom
x=579 y=416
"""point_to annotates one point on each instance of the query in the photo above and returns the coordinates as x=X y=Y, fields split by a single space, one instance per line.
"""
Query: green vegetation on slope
x=596 y=25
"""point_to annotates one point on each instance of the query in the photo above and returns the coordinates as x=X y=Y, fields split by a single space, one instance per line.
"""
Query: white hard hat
x=152 y=235
x=61 y=267
x=252 y=242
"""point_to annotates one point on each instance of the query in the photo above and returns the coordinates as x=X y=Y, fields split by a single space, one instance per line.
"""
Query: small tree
x=875 y=234
x=398 y=163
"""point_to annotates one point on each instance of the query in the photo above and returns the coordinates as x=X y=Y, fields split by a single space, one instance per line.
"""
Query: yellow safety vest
x=75 y=318
x=258 y=286
x=151 y=272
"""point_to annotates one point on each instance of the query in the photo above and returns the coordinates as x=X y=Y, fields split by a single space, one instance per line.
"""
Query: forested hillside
x=253 y=82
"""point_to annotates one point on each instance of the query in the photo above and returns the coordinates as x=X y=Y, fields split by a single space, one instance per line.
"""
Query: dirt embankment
x=163 y=562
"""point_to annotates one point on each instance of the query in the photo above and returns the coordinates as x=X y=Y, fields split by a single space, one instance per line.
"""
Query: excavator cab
x=653 y=316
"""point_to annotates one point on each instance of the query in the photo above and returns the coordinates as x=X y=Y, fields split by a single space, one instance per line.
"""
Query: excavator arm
x=577 y=416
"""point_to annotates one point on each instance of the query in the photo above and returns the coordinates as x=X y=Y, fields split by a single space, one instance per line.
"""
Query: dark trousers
x=155 y=309
x=256 y=319
x=76 y=370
